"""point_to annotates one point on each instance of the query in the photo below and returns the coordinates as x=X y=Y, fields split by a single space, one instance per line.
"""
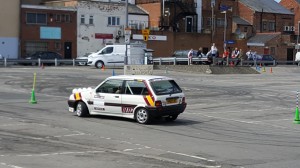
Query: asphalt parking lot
x=233 y=120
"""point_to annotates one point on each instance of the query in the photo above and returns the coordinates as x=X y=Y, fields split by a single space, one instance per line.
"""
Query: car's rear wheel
x=99 y=64
x=171 y=118
x=142 y=116
x=82 y=110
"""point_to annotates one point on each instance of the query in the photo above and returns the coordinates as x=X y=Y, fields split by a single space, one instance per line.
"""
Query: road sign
x=127 y=39
x=150 y=37
x=127 y=31
x=145 y=37
x=145 y=31
x=230 y=42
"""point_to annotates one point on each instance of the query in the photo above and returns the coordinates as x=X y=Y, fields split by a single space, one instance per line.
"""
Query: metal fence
x=56 y=62
x=220 y=62
x=156 y=61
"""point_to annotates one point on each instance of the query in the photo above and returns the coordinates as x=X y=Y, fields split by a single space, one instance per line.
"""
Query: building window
x=246 y=29
x=63 y=17
x=68 y=18
x=113 y=21
x=208 y=22
x=57 y=18
x=271 y=26
x=272 y=50
x=57 y=46
x=31 y=47
x=91 y=20
x=36 y=18
x=264 y=25
x=220 y=22
x=82 y=19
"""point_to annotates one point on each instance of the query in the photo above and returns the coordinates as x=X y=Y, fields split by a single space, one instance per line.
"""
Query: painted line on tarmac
x=61 y=153
x=10 y=165
x=250 y=122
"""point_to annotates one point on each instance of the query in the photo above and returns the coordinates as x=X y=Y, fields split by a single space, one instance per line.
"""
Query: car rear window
x=163 y=87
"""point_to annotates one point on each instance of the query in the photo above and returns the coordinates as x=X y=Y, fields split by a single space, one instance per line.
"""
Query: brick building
x=45 y=28
x=269 y=36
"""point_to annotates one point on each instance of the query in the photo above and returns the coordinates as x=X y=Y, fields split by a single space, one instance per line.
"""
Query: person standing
x=214 y=50
x=225 y=56
x=190 y=56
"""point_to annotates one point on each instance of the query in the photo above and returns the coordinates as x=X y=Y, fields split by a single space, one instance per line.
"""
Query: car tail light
x=158 y=103
x=183 y=100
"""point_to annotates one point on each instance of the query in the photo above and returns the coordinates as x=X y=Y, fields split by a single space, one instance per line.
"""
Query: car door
x=134 y=94
x=107 y=55
x=107 y=98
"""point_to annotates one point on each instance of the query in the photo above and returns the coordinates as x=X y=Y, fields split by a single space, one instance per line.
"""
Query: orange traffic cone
x=103 y=68
x=271 y=70
x=42 y=66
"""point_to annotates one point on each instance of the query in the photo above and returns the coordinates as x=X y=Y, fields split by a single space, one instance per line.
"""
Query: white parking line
x=10 y=165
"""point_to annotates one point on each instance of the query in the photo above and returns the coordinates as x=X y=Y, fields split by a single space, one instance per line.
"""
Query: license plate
x=71 y=109
x=173 y=100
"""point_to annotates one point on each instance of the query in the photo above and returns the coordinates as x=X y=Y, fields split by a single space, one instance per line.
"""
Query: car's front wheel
x=82 y=110
x=142 y=116
x=99 y=64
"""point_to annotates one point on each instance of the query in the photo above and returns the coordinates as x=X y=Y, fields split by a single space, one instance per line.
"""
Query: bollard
x=5 y=62
x=297 y=119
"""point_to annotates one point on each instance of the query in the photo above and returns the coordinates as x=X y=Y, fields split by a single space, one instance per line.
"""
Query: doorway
x=68 y=50
x=290 y=55
x=189 y=23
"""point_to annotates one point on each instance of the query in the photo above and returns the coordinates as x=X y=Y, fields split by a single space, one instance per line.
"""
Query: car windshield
x=162 y=87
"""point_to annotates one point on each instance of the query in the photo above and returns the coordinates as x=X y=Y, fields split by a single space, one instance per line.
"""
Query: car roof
x=140 y=77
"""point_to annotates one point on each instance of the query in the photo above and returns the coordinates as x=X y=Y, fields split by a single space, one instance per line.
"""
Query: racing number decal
x=77 y=96
x=127 y=109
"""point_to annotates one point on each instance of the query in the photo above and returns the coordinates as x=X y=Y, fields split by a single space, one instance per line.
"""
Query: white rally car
x=138 y=97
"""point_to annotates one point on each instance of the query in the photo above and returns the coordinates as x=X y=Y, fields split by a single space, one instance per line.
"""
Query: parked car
x=297 y=58
x=139 y=97
x=47 y=57
x=184 y=53
x=265 y=59
x=82 y=60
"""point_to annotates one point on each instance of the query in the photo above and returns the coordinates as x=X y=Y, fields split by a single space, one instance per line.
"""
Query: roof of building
x=240 y=21
x=260 y=39
x=134 y=9
x=44 y=7
x=268 y=6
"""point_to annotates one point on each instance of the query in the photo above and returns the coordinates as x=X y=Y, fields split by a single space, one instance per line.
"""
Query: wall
x=154 y=10
x=10 y=28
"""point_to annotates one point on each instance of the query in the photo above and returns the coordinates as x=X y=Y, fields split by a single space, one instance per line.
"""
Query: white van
x=110 y=55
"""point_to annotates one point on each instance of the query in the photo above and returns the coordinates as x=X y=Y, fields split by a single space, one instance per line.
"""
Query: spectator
x=250 y=55
x=190 y=56
x=235 y=53
x=213 y=50
x=200 y=53
x=225 y=56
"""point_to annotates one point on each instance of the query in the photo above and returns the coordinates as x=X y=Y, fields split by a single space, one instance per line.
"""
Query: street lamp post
x=225 y=26
x=126 y=25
